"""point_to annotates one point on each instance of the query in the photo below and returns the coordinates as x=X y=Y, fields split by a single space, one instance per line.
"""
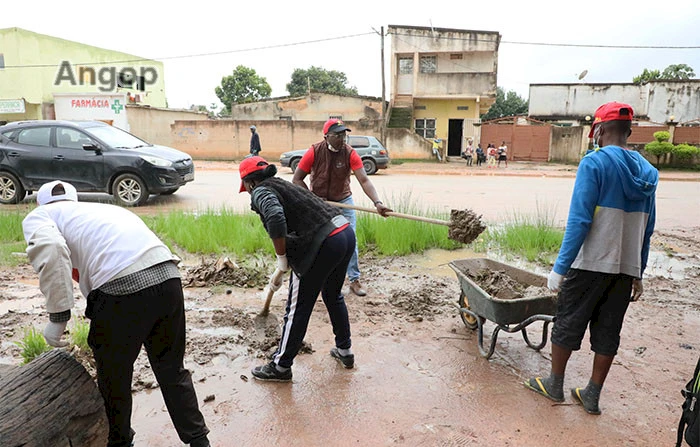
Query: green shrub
x=662 y=136
x=685 y=151
x=658 y=149
x=33 y=344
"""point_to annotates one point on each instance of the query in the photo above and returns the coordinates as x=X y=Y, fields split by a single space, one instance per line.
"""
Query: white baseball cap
x=55 y=191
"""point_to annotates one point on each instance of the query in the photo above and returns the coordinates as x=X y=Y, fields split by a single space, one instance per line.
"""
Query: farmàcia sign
x=106 y=78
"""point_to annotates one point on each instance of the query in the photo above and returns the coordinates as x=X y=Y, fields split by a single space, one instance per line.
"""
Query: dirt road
x=419 y=378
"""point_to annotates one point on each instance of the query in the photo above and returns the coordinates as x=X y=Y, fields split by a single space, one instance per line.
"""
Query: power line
x=350 y=36
x=218 y=53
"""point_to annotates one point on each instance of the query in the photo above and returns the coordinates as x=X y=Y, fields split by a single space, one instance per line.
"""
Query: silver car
x=373 y=154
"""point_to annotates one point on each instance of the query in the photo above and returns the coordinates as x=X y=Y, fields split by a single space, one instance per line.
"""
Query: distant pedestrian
x=503 y=154
x=436 y=148
x=491 y=152
x=603 y=255
x=468 y=153
x=480 y=156
x=255 y=148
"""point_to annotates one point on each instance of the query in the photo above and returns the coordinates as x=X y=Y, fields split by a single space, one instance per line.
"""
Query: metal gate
x=527 y=139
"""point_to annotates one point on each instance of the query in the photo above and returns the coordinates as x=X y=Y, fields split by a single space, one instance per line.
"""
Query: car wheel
x=369 y=165
x=130 y=190
x=169 y=192
x=294 y=164
x=11 y=190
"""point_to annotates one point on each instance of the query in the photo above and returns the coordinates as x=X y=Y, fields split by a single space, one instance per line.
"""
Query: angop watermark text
x=107 y=78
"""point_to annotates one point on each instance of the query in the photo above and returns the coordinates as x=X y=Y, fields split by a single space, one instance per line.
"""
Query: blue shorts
x=595 y=300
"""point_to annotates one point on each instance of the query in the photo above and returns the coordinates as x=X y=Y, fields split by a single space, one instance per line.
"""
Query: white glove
x=53 y=332
x=282 y=263
x=276 y=280
x=554 y=281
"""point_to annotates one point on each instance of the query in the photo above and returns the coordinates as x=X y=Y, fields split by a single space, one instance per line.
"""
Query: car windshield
x=115 y=137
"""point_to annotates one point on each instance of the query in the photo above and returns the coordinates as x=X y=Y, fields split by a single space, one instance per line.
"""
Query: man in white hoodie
x=603 y=255
x=134 y=298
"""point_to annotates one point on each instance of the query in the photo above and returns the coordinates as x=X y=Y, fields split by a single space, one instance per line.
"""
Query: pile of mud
x=223 y=271
x=465 y=226
x=498 y=284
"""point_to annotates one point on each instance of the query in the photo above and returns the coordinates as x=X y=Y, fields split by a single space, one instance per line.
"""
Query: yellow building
x=443 y=80
x=36 y=70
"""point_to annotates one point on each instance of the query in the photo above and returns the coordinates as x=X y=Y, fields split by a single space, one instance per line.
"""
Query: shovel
x=263 y=319
x=464 y=225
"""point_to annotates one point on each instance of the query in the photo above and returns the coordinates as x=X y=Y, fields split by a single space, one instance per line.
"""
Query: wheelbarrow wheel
x=468 y=320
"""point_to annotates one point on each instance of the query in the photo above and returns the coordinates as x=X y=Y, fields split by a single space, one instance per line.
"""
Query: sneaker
x=357 y=289
x=348 y=361
x=270 y=373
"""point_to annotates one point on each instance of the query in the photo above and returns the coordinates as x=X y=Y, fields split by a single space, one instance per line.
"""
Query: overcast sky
x=258 y=35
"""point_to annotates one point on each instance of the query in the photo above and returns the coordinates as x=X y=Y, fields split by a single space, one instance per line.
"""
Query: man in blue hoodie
x=603 y=255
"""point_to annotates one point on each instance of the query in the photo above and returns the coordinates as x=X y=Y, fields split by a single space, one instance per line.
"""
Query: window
x=2 y=60
x=456 y=56
x=36 y=136
x=425 y=127
x=462 y=107
x=405 y=65
x=428 y=64
x=71 y=138
x=333 y=117
x=420 y=108
x=358 y=142
x=285 y=118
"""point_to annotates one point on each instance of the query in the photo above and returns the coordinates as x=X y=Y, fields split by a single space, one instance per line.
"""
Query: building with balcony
x=443 y=80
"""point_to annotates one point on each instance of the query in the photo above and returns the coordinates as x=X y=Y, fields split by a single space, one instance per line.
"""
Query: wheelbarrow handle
x=391 y=213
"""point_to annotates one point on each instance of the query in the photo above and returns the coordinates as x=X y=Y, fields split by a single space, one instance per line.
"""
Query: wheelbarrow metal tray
x=502 y=311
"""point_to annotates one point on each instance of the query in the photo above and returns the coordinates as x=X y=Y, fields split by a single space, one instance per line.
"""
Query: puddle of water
x=435 y=261
x=221 y=331
x=31 y=305
x=672 y=267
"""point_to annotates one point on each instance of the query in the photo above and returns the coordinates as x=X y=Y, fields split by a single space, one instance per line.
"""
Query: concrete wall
x=230 y=139
x=404 y=143
x=450 y=85
x=36 y=84
x=406 y=39
x=655 y=101
x=155 y=125
x=313 y=107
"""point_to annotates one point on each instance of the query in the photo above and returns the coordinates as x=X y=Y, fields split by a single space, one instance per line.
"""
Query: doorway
x=454 y=137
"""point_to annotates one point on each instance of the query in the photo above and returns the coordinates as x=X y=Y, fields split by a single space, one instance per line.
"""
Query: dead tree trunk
x=51 y=401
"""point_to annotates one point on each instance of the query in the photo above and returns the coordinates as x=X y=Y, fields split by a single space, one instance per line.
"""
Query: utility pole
x=383 y=126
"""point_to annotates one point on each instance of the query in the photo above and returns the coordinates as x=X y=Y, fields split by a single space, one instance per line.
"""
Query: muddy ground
x=419 y=379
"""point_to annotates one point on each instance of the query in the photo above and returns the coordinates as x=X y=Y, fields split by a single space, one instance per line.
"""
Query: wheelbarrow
x=510 y=313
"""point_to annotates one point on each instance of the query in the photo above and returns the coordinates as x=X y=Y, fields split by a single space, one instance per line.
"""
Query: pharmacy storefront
x=109 y=108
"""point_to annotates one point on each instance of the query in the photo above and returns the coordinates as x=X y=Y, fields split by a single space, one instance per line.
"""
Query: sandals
x=536 y=385
x=590 y=407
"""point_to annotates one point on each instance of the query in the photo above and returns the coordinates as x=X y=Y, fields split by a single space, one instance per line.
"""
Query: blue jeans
x=354 y=266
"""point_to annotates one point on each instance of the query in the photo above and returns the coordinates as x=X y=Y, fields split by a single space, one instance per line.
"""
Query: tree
x=321 y=80
x=678 y=72
x=660 y=147
x=674 y=72
x=241 y=87
x=507 y=104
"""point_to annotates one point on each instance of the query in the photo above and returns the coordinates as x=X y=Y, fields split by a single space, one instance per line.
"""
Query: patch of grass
x=399 y=236
x=212 y=231
x=33 y=345
x=11 y=237
x=79 y=334
x=534 y=238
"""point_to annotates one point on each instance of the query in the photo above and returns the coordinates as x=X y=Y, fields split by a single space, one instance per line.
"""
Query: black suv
x=92 y=156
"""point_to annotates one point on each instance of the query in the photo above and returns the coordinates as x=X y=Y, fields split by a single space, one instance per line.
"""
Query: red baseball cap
x=250 y=165
x=611 y=111
x=334 y=125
